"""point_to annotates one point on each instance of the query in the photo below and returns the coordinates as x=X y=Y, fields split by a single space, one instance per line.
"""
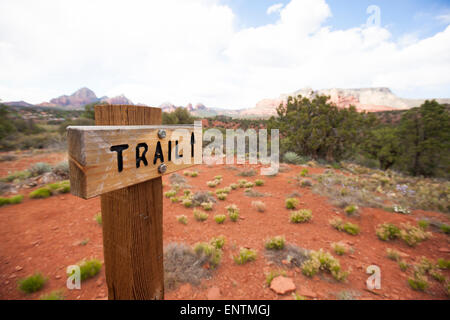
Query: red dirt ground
x=45 y=236
x=26 y=160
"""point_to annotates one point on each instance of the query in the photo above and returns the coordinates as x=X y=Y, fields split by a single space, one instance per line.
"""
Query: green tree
x=179 y=116
x=383 y=144
x=425 y=140
x=319 y=129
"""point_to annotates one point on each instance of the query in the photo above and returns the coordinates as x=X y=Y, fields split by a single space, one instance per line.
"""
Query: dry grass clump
x=259 y=206
x=348 y=227
x=323 y=261
x=301 y=216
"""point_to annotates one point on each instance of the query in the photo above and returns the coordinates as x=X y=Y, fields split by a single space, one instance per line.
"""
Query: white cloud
x=274 y=8
x=190 y=51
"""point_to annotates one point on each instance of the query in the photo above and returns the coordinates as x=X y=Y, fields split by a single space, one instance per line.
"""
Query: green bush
x=403 y=265
x=348 y=227
x=292 y=157
x=445 y=228
x=339 y=248
x=89 y=268
x=259 y=182
x=245 y=255
x=304 y=172
x=207 y=206
x=419 y=282
x=170 y=194
x=200 y=215
x=393 y=254
x=98 y=218
x=292 y=203
x=320 y=260
x=182 y=219
x=222 y=196
x=301 y=216
x=413 y=235
x=275 y=243
x=187 y=203
x=387 y=231
x=54 y=295
x=212 y=184
x=40 y=193
x=351 y=210
x=220 y=218
x=213 y=254
x=218 y=242
x=443 y=263
x=11 y=200
x=174 y=199
x=32 y=283
x=423 y=224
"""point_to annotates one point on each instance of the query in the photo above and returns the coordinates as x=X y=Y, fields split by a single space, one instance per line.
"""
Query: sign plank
x=107 y=158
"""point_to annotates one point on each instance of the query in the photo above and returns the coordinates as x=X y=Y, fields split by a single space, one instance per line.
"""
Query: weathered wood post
x=122 y=159
x=132 y=221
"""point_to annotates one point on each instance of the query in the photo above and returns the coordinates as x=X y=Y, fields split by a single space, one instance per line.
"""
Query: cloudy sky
x=223 y=53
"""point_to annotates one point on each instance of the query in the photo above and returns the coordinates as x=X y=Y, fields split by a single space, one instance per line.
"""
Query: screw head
x=161 y=134
x=162 y=168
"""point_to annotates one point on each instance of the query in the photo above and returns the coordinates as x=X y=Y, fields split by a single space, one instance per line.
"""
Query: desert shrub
x=32 y=283
x=348 y=227
x=187 y=173
x=245 y=255
x=62 y=169
x=443 y=263
x=207 y=206
x=321 y=260
x=220 y=218
x=259 y=182
x=218 y=242
x=291 y=203
x=218 y=177
x=182 y=219
x=182 y=264
x=187 y=193
x=259 y=206
x=234 y=186
x=16 y=176
x=423 y=224
x=88 y=268
x=253 y=193
x=54 y=295
x=247 y=173
x=437 y=275
x=242 y=183
x=59 y=187
x=387 y=231
x=393 y=254
x=304 y=172
x=413 y=235
x=419 y=282
x=351 y=210
x=232 y=208
x=339 y=248
x=234 y=216
x=305 y=183
x=98 y=218
x=249 y=185
x=213 y=254
x=275 y=243
x=174 y=199
x=212 y=184
x=403 y=265
x=40 y=193
x=301 y=216
x=200 y=215
x=273 y=274
x=292 y=158
x=202 y=197
x=170 y=193
x=187 y=203
x=39 y=168
x=445 y=228
x=222 y=196
x=11 y=200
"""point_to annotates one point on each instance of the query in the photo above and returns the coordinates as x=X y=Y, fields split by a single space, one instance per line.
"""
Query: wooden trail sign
x=116 y=160
x=107 y=158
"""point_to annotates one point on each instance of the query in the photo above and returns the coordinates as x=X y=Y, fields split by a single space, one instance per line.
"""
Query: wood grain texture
x=132 y=222
x=95 y=168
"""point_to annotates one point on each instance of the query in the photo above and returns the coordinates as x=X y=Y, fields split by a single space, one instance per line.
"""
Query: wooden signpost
x=122 y=159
